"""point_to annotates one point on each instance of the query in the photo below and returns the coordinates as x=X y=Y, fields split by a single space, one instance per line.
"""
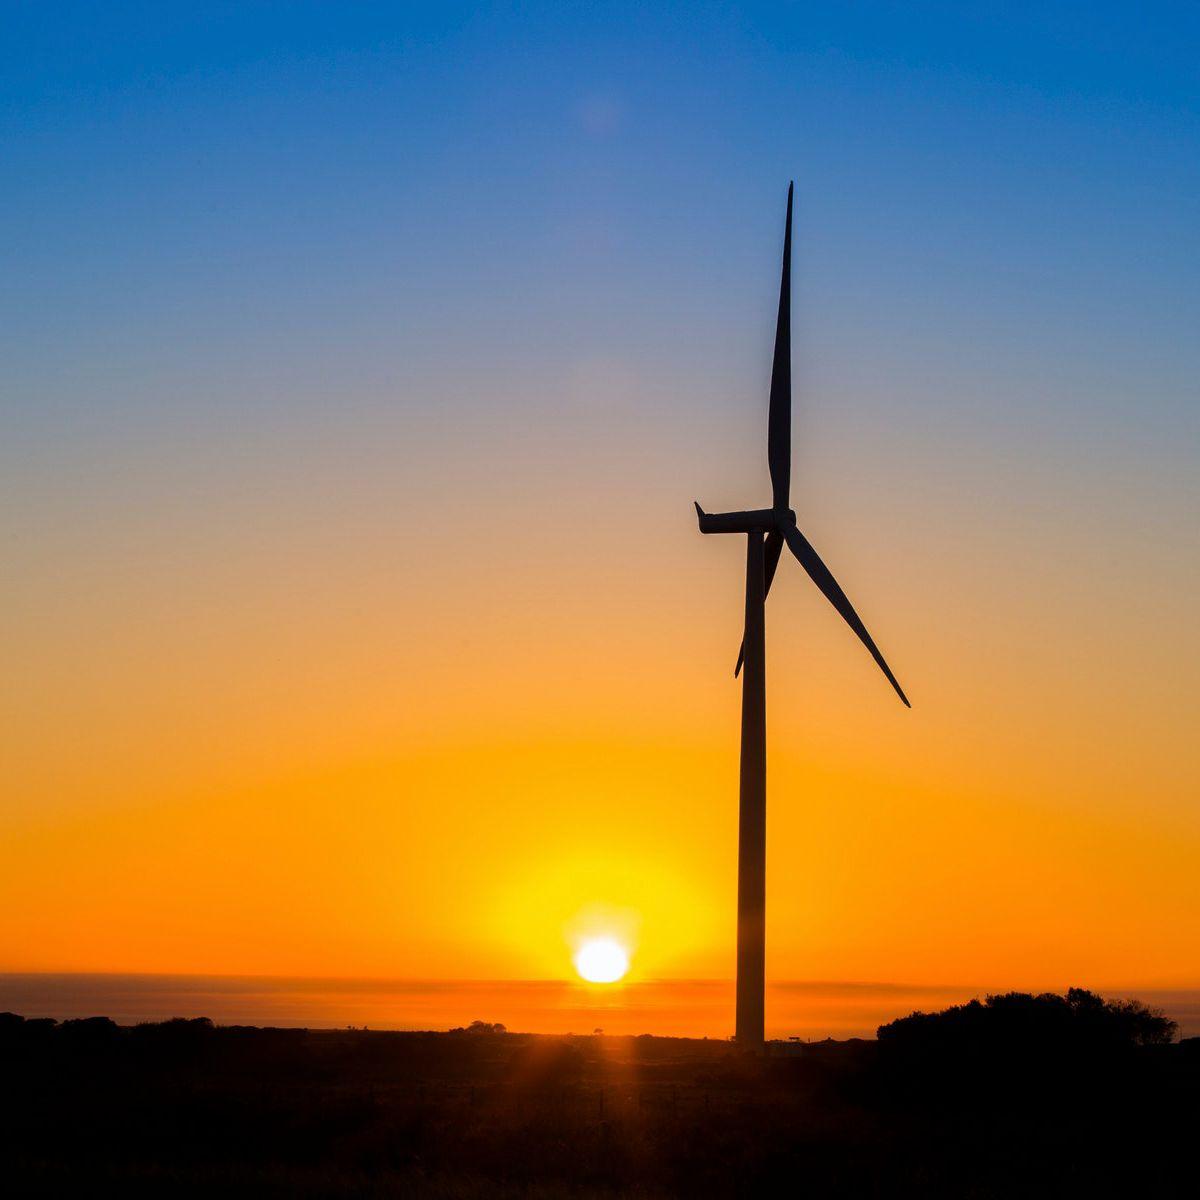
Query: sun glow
x=602 y=960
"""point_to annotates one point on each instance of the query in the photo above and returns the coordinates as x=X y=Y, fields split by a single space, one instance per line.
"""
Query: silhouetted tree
x=1018 y=1022
x=481 y=1027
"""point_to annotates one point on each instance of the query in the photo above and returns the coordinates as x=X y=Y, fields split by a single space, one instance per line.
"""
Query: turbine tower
x=766 y=530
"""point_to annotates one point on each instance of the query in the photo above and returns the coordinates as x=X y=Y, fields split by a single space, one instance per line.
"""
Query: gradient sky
x=359 y=368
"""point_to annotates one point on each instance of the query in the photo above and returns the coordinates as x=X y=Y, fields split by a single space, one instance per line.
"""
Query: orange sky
x=279 y=707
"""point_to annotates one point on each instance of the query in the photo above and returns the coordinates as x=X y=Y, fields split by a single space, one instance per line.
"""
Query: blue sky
x=338 y=188
x=231 y=225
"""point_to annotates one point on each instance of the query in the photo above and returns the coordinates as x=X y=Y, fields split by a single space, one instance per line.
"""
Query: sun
x=602 y=960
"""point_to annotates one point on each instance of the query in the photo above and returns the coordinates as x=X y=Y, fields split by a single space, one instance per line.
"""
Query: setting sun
x=602 y=960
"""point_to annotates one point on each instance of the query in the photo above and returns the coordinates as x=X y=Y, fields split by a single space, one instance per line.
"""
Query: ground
x=183 y=1109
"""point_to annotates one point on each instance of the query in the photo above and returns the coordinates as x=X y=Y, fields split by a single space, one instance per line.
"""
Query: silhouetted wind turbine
x=777 y=525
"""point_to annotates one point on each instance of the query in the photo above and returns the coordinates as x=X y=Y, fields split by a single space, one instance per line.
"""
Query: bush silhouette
x=481 y=1027
x=1018 y=1022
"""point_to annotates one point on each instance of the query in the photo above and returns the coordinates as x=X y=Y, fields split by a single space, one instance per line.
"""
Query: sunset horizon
x=807 y=1010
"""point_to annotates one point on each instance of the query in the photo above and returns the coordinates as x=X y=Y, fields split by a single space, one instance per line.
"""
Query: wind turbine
x=767 y=530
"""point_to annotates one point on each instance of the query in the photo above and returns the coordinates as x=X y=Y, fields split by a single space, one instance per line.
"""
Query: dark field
x=1026 y=1102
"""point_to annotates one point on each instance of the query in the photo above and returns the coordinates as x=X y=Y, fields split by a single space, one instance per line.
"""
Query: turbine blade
x=820 y=574
x=771 y=553
x=779 y=418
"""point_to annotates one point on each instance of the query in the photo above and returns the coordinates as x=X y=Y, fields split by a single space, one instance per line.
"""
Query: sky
x=360 y=366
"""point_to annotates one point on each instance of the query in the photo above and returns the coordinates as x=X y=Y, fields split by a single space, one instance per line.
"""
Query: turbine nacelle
x=762 y=520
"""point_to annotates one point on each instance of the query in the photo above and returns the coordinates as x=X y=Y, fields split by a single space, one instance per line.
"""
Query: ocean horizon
x=808 y=1009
